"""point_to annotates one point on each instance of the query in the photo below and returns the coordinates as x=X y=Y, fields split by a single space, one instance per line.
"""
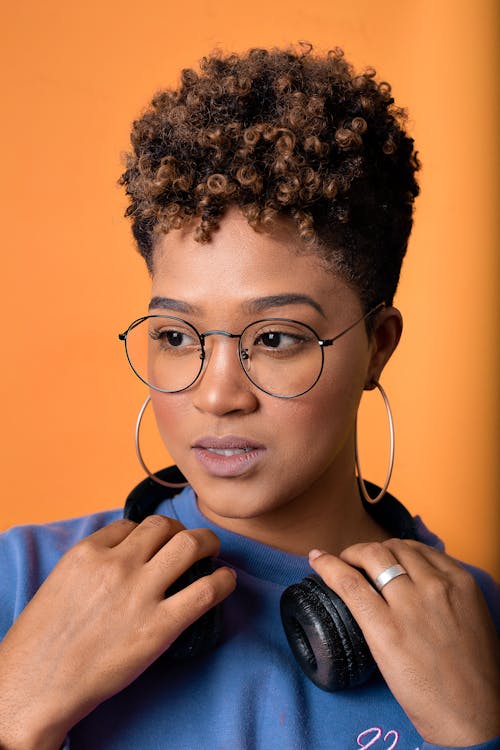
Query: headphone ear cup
x=324 y=637
x=204 y=634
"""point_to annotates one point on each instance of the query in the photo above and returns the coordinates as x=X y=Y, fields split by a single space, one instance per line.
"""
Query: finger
x=183 y=550
x=408 y=548
x=431 y=568
x=150 y=536
x=367 y=607
x=113 y=533
x=376 y=558
x=188 y=605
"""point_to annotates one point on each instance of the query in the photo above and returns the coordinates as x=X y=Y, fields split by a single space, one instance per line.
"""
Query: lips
x=229 y=455
x=227 y=442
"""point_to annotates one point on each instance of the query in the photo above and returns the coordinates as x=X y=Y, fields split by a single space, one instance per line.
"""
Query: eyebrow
x=256 y=305
x=282 y=300
x=166 y=303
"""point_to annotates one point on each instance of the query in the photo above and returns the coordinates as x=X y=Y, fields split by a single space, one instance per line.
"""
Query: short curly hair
x=283 y=133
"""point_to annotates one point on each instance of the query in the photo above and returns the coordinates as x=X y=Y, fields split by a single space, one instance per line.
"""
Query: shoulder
x=28 y=554
x=489 y=588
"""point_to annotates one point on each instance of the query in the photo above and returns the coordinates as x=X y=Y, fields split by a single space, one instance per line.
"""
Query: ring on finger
x=388 y=575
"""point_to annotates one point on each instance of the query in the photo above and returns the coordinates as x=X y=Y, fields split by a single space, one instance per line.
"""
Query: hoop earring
x=361 y=482
x=152 y=476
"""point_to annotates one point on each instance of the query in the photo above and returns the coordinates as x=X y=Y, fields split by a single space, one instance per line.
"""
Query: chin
x=234 y=500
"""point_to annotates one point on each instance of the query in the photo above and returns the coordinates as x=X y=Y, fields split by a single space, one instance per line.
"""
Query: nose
x=223 y=388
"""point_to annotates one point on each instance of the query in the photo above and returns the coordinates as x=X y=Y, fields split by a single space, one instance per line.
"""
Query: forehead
x=240 y=263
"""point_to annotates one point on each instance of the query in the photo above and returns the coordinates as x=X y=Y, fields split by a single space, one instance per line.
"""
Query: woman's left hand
x=430 y=633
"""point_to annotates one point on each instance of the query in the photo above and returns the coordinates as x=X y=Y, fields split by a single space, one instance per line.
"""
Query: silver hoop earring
x=139 y=454
x=362 y=485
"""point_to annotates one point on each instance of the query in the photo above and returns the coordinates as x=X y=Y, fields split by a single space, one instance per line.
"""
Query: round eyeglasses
x=281 y=357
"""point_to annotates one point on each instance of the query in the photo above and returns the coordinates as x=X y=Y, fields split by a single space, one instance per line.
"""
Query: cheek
x=339 y=390
x=312 y=431
x=327 y=421
x=171 y=412
x=328 y=417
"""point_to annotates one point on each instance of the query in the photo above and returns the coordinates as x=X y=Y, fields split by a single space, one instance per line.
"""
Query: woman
x=271 y=196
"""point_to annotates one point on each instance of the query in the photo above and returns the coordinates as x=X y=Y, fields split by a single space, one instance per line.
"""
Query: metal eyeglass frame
x=242 y=353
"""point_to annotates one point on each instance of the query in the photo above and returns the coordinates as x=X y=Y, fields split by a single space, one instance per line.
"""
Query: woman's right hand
x=97 y=622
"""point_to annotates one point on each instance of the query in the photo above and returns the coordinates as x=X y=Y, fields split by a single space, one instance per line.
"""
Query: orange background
x=76 y=74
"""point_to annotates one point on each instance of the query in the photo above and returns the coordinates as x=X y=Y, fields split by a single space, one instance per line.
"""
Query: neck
x=332 y=520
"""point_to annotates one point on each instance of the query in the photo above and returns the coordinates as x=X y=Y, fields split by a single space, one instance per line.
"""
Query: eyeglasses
x=281 y=357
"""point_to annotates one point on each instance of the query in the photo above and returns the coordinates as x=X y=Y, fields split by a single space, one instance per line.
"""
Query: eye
x=277 y=340
x=173 y=338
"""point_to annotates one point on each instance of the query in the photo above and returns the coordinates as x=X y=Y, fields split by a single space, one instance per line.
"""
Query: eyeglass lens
x=280 y=357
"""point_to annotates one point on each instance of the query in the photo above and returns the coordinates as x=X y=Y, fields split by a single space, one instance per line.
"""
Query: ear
x=387 y=329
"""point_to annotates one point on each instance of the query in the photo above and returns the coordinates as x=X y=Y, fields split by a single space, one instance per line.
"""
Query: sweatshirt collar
x=245 y=554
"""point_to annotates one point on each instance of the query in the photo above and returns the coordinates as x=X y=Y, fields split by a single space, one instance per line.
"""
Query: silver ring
x=387 y=575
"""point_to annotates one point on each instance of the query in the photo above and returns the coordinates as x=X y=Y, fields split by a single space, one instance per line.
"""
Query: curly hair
x=280 y=133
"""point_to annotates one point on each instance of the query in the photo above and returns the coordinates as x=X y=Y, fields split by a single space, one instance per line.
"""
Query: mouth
x=227 y=456
x=228 y=451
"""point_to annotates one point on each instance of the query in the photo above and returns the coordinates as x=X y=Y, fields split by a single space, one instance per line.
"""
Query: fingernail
x=314 y=553
x=232 y=570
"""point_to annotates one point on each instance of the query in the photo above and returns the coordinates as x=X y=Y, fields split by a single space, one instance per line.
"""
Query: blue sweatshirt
x=248 y=693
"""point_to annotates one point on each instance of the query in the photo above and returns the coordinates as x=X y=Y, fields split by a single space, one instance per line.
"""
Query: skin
x=303 y=509
x=113 y=622
x=429 y=631
x=430 y=634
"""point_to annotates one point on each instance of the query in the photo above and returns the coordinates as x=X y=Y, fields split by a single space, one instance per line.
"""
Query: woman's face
x=248 y=454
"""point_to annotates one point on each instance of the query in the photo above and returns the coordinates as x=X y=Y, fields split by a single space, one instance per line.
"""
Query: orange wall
x=76 y=75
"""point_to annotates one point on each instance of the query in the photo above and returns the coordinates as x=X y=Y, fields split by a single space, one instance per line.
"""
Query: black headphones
x=324 y=637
